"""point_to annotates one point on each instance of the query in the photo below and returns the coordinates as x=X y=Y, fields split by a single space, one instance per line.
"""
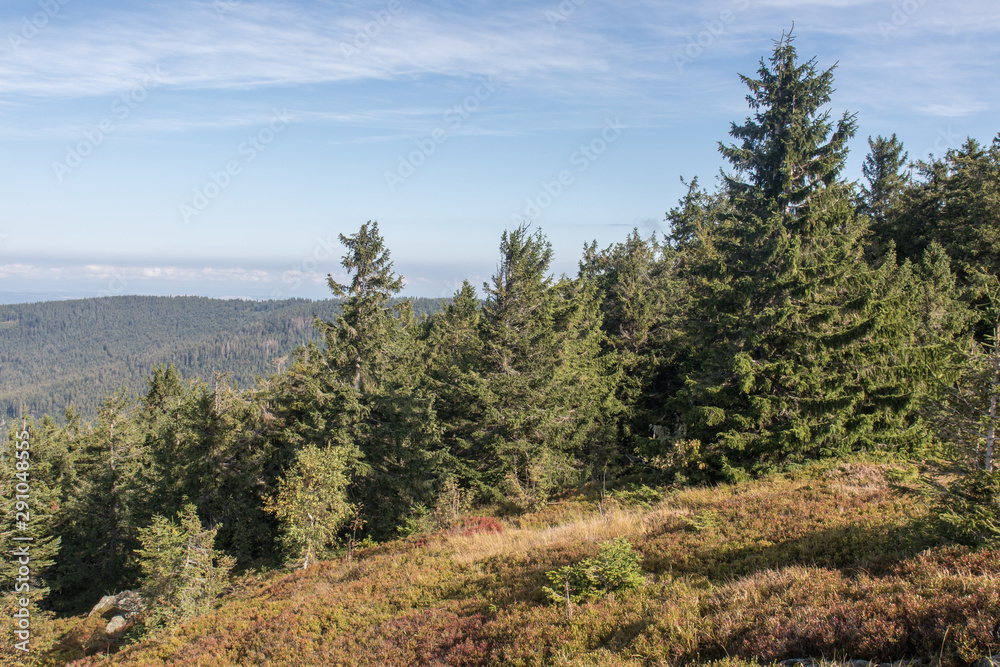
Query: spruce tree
x=33 y=468
x=642 y=304
x=99 y=541
x=806 y=341
x=370 y=377
x=366 y=325
x=453 y=348
x=789 y=150
x=883 y=170
x=955 y=201
x=540 y=372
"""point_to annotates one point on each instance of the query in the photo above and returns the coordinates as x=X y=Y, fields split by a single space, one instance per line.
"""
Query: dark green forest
x=61 y=353
x=788 y=315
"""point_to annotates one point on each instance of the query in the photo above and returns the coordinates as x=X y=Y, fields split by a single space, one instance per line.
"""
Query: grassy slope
x=829 y=561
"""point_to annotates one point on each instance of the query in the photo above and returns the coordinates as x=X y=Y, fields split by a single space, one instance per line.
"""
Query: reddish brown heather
x=831 y=561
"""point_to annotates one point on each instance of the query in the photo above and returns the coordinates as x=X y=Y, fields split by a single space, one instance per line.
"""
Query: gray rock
x=116 y=624
x=107 y=603
x=992 y=661
x=128 y=602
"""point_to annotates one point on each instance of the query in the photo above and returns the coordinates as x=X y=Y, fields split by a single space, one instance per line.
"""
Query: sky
x=220 y=147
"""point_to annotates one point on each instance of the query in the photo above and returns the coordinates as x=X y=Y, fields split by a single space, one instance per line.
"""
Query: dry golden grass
x=513 y=541
x=827 y=561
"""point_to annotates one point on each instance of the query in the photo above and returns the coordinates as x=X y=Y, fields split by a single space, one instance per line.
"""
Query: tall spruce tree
x=34 y=466
x=99 y=542
x=805 y=343
x=540 y=367
x=453 y=349
x=367 y=326
x=955 y=201
x=886 y=180
x=370 y=378
x=643 y=304
x=789 y=150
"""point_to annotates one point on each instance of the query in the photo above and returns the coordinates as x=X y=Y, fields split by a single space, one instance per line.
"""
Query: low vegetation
x=836 y=560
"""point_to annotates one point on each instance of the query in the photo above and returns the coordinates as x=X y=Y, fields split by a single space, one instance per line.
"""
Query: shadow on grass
x=849 y=548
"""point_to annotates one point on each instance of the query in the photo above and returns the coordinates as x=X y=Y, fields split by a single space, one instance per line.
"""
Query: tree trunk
x=994 y=378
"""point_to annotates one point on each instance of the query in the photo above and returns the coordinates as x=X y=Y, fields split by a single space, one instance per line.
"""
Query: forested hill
x=61 y=352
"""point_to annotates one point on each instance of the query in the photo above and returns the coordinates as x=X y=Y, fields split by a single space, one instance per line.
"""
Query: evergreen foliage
x=886 y=181
x=182 y=572
x=807 y=344
x=786 y=316
x=615 y=569
x=540 y=372
x=789 y=151
x=954 y=201
x=61 y=353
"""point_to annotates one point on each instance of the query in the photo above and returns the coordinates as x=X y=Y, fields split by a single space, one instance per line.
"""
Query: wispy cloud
x=89 y=272
x=269 y=44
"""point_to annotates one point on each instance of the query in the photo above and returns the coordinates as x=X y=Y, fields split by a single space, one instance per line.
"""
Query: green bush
x=616 y=568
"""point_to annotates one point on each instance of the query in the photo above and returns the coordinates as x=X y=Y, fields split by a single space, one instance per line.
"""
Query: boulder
x=117 y=623
x=128 y=603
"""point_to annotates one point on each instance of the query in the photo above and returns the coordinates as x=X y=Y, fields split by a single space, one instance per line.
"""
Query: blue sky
x=218 y=147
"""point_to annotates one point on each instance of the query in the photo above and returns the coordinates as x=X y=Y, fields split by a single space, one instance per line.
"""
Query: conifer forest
x=789 y=318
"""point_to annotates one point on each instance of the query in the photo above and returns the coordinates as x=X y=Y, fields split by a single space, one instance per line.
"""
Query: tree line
x=788 y=315
x=54 y=354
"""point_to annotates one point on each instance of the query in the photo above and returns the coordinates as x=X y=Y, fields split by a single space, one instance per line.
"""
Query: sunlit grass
x=831 y=561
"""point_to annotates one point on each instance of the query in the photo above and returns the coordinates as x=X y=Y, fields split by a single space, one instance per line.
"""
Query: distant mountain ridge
x=57 y=353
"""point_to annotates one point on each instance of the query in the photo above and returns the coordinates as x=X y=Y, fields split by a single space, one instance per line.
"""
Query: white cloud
x=271 y=44
x=134 y=273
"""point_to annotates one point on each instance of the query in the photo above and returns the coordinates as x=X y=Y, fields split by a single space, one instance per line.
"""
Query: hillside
x=830 y=561
x=56 y=353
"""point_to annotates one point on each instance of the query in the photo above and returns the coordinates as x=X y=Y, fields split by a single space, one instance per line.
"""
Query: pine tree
x=806 y=341
x=33 y=468
x=366 y=326
x=182 y=572
x=540 y=369
x=789 y=151
x=642 y=303
x=956 y=202
x=453 y=348
x=886 y=181
x=99 y=539
x=371 y=373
